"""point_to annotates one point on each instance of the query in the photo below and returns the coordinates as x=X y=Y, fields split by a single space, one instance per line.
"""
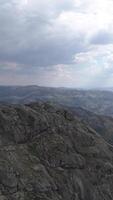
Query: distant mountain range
x=97 y=101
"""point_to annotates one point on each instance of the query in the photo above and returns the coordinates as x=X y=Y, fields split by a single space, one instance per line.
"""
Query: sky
x=59 y=43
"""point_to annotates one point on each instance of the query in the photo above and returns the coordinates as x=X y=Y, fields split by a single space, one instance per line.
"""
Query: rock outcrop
x=46 y=153
x=100 y=123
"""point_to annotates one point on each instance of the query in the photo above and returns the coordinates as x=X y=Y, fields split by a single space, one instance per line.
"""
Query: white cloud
x=90 y=18
x=51 y=33
x=98 y=55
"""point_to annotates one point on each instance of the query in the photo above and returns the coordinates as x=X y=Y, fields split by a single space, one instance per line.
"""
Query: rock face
x=48 y=154
x=100 y=123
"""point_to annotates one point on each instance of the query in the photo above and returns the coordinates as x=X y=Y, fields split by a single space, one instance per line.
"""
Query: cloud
x=61 y=39
x=31 y=34
x=96 y=66
x=102 y=37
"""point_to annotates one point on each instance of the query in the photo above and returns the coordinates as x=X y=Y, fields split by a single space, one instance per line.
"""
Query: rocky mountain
x=47 y=153
x=100 y=123
x=97 y=101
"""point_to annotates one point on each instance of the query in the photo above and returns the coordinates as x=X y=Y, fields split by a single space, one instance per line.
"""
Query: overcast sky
x=67 y=43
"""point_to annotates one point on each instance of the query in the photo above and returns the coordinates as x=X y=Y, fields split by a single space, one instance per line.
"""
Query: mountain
x=100 y=123
x=47 y=153
x=97 y=101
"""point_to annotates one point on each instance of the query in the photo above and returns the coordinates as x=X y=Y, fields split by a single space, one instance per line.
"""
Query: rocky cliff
x=46 y=153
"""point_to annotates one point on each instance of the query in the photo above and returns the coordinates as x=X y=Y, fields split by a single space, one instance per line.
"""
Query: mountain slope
x=97 y=101
x=102 y=124
x=48 y=154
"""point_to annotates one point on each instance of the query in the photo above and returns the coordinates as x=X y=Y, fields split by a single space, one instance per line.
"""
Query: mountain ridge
x=47 y=153
x=99 y=102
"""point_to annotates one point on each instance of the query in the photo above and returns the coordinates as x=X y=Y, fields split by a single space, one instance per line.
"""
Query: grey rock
x=47 y=153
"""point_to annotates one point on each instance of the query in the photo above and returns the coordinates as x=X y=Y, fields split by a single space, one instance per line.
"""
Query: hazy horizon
x=60 y=87
x=66 y=43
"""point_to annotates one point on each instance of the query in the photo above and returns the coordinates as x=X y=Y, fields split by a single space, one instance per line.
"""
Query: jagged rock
x=46 y=153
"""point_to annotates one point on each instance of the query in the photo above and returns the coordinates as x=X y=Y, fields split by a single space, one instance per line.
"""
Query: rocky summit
x=47 y=153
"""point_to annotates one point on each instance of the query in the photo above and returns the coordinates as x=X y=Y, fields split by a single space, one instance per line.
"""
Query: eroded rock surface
x=46 y=153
